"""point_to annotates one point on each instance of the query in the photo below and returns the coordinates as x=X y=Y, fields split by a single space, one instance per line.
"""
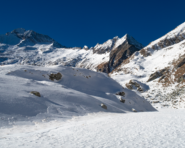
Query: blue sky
x=87 y=22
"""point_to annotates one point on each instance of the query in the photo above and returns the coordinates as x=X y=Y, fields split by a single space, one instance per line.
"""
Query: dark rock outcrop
x=182 y=62
x=104 y=67
x=121 y=93
x=181 y=78
x=156 y=75
x=36 y=93
x=120 y=53
x=129 y=86
x=57 y=76
x=133 y=83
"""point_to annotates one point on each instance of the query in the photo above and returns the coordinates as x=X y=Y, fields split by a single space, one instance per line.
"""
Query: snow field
x=163 y=129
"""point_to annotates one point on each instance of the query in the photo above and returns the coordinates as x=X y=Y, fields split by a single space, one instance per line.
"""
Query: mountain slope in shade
x=160 y=66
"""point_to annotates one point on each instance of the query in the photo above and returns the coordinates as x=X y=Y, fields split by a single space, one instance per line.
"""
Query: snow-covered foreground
x=165 y=128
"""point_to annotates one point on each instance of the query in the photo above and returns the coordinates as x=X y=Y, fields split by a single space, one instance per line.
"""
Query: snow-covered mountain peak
x=22 y=37
x=106 y=46
x=112 y=44
x=130 y=40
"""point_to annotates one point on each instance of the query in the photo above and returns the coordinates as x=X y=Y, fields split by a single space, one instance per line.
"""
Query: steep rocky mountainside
x=120 y=51
x=160 y=66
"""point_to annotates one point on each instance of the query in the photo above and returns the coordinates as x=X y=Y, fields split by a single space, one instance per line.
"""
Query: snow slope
x=152 y=130
x=79 y=92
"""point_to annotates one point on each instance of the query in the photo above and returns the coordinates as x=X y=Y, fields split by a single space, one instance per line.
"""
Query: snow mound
x=78 y=92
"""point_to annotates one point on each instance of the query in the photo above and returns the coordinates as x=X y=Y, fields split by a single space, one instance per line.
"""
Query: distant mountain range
x=156 y=71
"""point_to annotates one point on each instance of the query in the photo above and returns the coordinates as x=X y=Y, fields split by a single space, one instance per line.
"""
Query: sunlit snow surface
x=163 y=129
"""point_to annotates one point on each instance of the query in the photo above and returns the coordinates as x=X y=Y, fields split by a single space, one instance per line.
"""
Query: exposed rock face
x=57 y=76
x=155 y=101
x=156 y=75
x=129 y=86
x=181 y=78
x=104 y=67
x=182 y=62
x=123 y=49
x=122 y=52
x=133 y=83
x=36 y=93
